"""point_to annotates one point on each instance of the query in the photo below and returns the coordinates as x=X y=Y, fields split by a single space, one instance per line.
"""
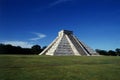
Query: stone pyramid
x=66 y=44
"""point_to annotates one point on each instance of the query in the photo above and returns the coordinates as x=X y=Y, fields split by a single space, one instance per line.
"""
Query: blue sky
x=29 y=22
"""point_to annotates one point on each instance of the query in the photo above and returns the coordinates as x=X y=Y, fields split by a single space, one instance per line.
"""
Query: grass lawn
x=30 y=67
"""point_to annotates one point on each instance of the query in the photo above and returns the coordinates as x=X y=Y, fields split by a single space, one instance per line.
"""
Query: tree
x=112 y=53
x=117 y=51
x=36 y=49
x=44 y=48
x=102 y=52
x=2 y=49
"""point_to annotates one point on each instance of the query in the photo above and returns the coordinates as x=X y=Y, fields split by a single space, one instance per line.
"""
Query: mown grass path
x=23 y=67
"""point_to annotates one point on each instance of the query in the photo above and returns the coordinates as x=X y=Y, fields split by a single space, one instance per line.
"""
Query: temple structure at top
x=66 y=44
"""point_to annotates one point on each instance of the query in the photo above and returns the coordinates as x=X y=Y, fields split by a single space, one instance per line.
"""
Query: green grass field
x=23 y=67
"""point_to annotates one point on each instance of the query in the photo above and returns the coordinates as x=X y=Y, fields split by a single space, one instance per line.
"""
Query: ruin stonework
x=66 y=44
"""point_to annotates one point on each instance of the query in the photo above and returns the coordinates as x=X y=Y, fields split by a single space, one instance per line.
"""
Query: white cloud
x=52 y=4
x=58 y=2
x=39 y=36
x=19 y=43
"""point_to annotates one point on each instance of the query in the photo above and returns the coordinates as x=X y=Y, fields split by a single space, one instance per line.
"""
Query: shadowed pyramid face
x=67 y=44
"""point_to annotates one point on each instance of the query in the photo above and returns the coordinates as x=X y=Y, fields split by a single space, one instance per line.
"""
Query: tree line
x=9 y=49
x=36 y=49
x=115 y=52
